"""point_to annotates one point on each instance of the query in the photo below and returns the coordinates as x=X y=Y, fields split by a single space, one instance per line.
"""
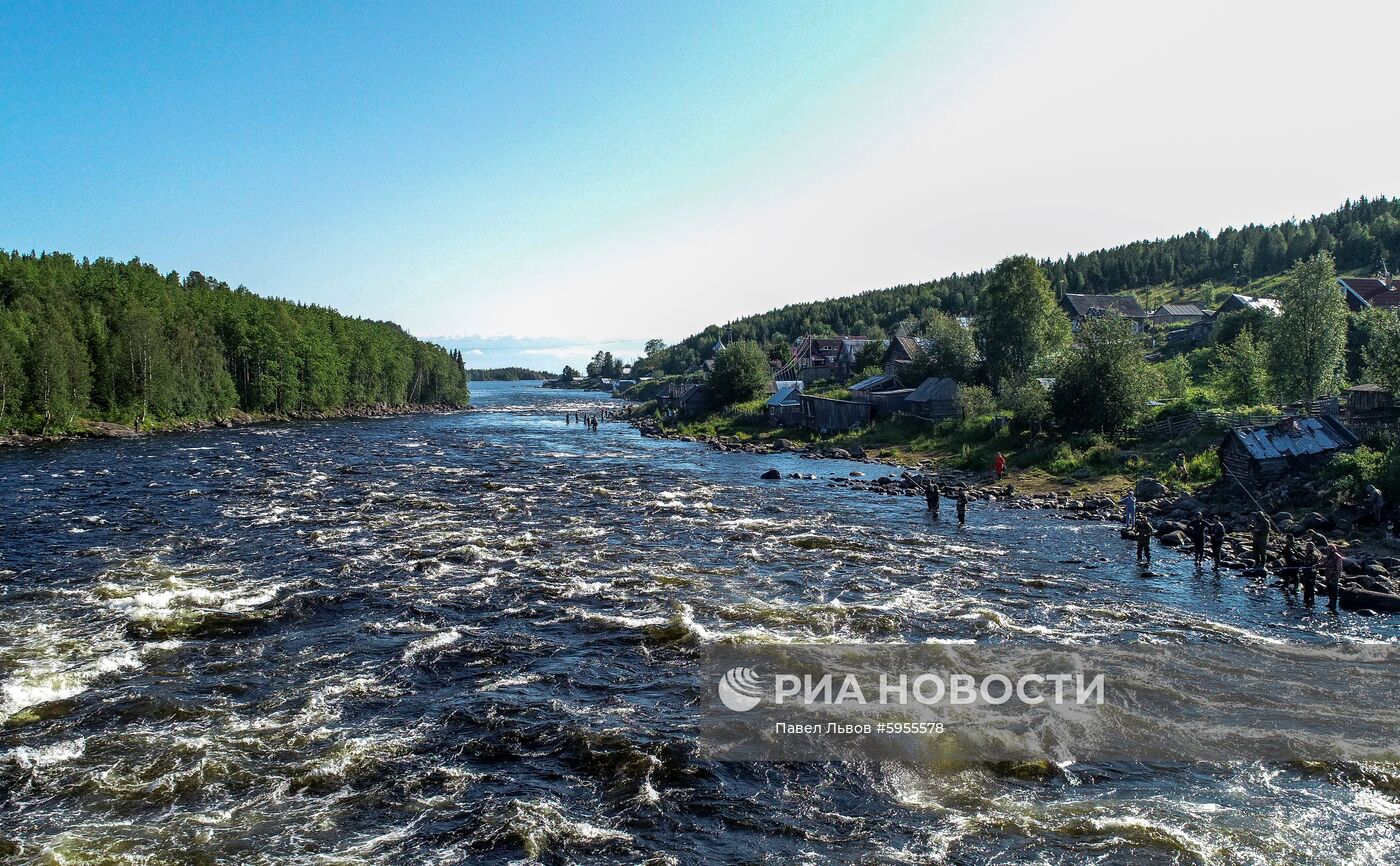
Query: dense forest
x=507 y=374
x=1361 y=235
x=121 y=341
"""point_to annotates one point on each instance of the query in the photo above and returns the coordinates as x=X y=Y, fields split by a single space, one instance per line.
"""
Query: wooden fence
x=1179 y=425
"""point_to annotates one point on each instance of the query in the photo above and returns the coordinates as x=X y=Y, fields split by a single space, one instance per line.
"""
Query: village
x=1311 y=471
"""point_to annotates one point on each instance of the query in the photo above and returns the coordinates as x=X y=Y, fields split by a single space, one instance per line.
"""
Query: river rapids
x=470 y=638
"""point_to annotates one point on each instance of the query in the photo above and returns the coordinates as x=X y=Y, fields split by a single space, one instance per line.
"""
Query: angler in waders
x=1142 y=531
x=1332 y=565
x=962 y=506
x=1292 y=565
x=1215 y=531
x=1260 y=536
x=1196 y=531
x=1308 y=572
x=932 y=498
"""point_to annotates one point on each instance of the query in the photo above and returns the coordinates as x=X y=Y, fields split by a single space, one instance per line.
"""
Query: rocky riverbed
x=1372 y=559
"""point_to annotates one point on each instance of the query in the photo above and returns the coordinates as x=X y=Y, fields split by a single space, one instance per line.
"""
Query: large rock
x=771 y=475
x=1316 y=520
x=840 y=454
x=1149 y=488
x=1167 y=527
x=1173 y=539
x=858 y=453
x=107 y=430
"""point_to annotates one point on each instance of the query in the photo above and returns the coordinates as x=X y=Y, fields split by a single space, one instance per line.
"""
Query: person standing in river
x=1215 y=530
x=1332 y=565
x=1308 y=573
x=932 y=498
x=1260 y=537
x=1292 y=565
x=1196 y=531
x=962 y=506
x=1129 y=503
x=1142 y=531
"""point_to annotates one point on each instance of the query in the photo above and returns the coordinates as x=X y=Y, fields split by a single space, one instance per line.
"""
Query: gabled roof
x=1236 y=302
x=789 y=396
x=1372 y=291
x=1294 y=437
x=876 y=383
x=1369 y=387
x=682 y=391
x=934 y=388
x=1088 y=305
x=906 y=349
x=1179 y=310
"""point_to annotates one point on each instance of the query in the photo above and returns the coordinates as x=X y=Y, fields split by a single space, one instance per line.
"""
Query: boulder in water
x=771 y=475
x=1173 y=539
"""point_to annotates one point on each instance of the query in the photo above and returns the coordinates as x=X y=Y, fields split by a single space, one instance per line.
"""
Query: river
x=470 y=638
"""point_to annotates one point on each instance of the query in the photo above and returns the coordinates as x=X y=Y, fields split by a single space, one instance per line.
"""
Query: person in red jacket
x=999 y=465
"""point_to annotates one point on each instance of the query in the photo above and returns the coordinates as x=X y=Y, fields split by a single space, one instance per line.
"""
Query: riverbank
x=89 y=429
x=1372 y=552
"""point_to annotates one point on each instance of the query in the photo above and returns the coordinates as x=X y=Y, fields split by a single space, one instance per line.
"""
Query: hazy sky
x=559 y=175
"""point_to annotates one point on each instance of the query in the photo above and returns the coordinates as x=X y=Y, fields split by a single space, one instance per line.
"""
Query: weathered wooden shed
x=683 y=400
x=934 y=400
x=1372 y=406
x=784 y=409
x=825 y=415
x=1260 y=455
x=886 y=403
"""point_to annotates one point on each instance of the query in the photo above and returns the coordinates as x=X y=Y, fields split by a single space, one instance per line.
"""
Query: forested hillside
x=506 y=374
x=1360 y=235
x=103 y=339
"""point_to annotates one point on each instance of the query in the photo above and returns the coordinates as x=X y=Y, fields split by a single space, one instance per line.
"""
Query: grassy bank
x=1036 y=462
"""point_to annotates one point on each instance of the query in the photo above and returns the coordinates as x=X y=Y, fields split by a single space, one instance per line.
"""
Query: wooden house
x=1262 y=455
x=683 y=400
x=934 y=400
x=1364 y=293
x=1372 y=406
x=1082 y=307
x=1175 y=314
x=815 y=358
x=902 y=352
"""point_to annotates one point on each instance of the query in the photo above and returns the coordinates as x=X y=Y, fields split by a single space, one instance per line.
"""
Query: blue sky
x=535 y=179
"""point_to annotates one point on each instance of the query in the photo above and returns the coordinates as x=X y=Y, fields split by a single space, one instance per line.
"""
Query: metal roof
x=874 y=382
x=934 y=389
x=1271 y=305
x=1294 y=437
x=1179 y=310
x=789 y=396
x=1085 y=305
